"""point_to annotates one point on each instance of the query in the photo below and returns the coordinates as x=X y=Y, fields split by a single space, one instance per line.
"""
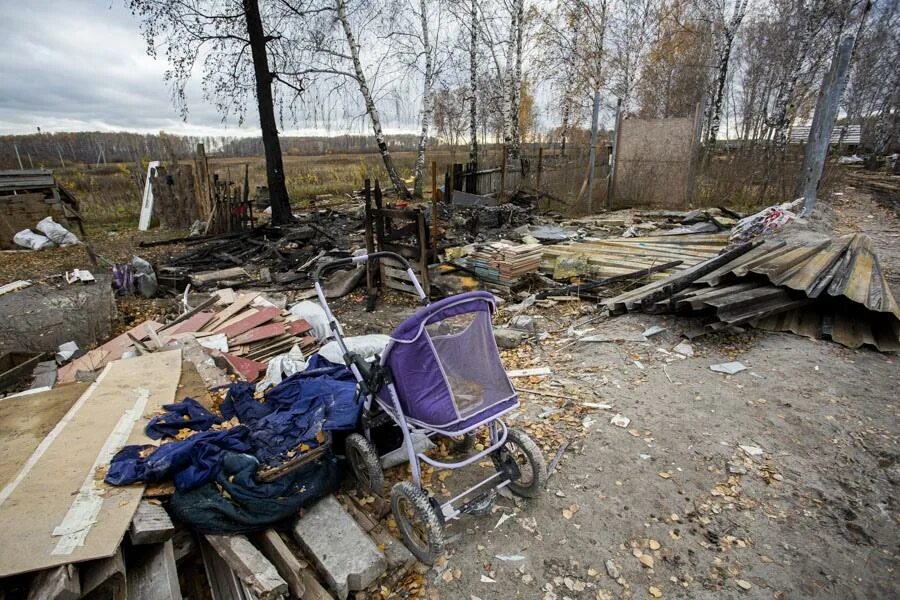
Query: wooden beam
x=58 y=583
x=106 y=575
x=151 y=524
x=152 y=573
x=249 y=565
x=297 y=573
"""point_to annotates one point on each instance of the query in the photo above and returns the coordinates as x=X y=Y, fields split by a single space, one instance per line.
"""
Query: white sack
x=35 y=241
x=56 y=232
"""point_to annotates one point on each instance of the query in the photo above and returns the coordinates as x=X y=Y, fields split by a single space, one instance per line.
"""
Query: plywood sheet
x=26 y=419
x=57 y=509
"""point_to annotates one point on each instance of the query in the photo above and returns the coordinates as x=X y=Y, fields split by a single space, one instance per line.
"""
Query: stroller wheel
x=418 y=521
x=365 y=463
x=522 y=458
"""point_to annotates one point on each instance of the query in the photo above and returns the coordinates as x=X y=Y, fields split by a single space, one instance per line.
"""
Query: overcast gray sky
x=77 y=65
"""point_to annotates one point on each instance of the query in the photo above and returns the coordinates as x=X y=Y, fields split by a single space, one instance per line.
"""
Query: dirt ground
x=780 y=481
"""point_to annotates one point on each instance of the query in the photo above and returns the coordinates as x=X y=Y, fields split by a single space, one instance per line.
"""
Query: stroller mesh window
x=465 y=348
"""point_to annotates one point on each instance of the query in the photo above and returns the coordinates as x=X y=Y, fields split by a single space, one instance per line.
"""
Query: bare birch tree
x=724 y=44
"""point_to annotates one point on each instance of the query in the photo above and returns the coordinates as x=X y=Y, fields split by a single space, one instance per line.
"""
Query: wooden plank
x=242 y=302
x=56 y=509
x=105 y=578
x=112 y=350
x=219 y=275
x=191 y=325
x=248 y=369
x=197 y=309
x=152 y=573
x=249 y=564
x=246 y=324
x=288 y=566
x=298 y=327
x=58 y=583
x=151 y=524
x=258 y=333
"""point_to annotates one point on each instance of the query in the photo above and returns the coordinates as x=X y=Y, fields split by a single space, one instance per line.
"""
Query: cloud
x=83 y=66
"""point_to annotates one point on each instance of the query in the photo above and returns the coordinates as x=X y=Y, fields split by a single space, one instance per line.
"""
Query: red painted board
x=254 y=320
x=258 y=333
x=191 y=324
x=297 y=327
x=248 y=369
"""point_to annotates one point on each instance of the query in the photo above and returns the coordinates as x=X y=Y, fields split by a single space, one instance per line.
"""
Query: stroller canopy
x=446 y=367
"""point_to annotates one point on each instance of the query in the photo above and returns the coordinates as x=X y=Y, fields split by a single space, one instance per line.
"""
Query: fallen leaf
x=665 y=474
x=654 y=545
x=646 y=560
x=655 y=591
x=486 y=579
x=743 y=584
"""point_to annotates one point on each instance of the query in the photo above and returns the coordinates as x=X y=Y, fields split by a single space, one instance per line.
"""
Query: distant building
x=846 y=135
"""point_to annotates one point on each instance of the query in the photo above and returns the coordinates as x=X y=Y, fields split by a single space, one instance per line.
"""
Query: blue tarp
x=323 y=397
x=190 y=462
x=188 y=414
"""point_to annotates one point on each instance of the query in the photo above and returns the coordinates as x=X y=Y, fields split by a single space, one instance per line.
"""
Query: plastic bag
x=283 y=365
x=35 y=241
x=366 y=346
x=765 y=221
x=313 y=314
x=56 y=232
x=144 y=277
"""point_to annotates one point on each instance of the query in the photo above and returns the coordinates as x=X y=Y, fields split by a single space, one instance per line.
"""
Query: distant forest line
x=51 y=150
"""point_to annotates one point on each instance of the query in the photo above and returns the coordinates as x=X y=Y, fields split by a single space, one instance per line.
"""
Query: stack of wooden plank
x=246 y=330
x=610 y=257
x=502 y=263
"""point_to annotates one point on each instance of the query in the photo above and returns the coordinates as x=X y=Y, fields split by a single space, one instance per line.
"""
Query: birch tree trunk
x=427 y=103
x=516 y=83
x=724 y=55
x=506 y=114
x=371 y=109
x=473 y=84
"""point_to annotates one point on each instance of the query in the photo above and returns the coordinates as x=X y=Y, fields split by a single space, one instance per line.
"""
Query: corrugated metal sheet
x=832 y=288
x=800 y=133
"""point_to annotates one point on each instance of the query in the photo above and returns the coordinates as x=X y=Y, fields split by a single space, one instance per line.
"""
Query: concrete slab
x=346 y=556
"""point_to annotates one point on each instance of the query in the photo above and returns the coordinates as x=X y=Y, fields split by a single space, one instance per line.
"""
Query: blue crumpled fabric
x=236 y=502
x=320 y=398
x=189 y=463
x=170 y=423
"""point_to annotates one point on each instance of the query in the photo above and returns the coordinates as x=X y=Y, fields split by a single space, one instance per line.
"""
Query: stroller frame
x=374 y=378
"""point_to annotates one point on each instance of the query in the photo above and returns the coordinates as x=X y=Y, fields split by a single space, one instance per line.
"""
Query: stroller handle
x=363 y=258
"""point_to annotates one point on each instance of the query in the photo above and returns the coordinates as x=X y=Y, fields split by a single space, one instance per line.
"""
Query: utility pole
x=823 y=124
x=827 y=106
x=612 y=156
x=595 y=125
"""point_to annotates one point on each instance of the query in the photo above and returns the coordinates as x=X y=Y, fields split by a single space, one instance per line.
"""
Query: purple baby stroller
x=440 y=374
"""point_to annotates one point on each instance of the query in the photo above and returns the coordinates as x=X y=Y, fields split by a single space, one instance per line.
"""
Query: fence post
x=540 y=167
x=452 y=185
x=502 y=177
x=610 y=182
x=434 y=207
